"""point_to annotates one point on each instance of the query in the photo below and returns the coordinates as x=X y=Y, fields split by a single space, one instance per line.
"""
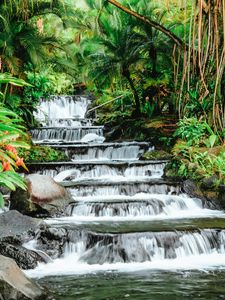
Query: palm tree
x=117 y=51
x=21 y=40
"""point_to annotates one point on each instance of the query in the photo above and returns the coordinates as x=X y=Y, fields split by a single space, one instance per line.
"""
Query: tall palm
x=118 y=51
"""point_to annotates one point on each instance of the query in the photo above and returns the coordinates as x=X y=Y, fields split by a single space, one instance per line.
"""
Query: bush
x=196 y=132
x=42 y=154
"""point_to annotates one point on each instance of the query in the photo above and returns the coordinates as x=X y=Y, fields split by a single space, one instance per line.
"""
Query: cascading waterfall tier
x=58 y=108
x=88 y=252
x=75 y=134
x=101 y=170
x=125 y=216
x=142 y=247
x=107 y=151
x=63 y=120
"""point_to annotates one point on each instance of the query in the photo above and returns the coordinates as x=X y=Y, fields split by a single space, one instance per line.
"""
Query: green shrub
x=42 y=154
x=196 y=132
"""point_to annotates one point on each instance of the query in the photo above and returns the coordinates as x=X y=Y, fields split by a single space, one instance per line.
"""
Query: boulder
x=213 y=198
x=44 y=197
x=15 y=229
x=13 y=223
x=15 y=285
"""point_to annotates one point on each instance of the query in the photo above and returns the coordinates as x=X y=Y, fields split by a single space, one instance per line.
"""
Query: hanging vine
x=204 y=62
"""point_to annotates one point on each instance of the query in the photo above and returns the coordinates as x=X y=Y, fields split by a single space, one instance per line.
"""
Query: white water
x=67 y=122
x=112 y=194
x=63 y=107
x=123 y=189
x=112 y=173
x=131 y=152
x=142 y=207
x=198 y=250
x=76 y=134
x=92 y=138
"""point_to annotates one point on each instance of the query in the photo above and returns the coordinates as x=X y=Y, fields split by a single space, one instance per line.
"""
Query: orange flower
x=19 y=162
x=10 y=148
x=6 y=166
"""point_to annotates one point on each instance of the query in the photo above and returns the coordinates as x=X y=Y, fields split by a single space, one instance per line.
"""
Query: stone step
x=119 y=182
x=105 y=151
x=45 y=134
x=97 y=169
x=132 y=226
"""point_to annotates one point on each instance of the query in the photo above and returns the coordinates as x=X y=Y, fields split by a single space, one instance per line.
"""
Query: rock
x=15 y=229
x=211 y=198
x=26 y=259
x=52 y=241
x=210 y=182
x=15 y=285
x=156 y=155
x=43 y=198
x=13 y=223
x=192 y=189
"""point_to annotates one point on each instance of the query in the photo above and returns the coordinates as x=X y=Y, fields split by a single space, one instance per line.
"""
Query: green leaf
x=8 y=137
x=19 y=144
x=2 y=202
x=210 y=142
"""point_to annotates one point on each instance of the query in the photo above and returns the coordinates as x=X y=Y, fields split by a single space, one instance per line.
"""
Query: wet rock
x=15 y=285
x=212 y=198
x=15 y=229
x=43 y=198
x=52 y=241
x=192 y=189
x=26 y=259
x=13 y=223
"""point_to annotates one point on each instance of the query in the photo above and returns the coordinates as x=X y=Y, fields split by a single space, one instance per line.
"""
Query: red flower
x=10 y=148
x=19 y=162
x=6 y=166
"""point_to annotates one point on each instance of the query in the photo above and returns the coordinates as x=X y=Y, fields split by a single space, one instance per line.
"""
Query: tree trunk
x=126 y=74
x=148 y=21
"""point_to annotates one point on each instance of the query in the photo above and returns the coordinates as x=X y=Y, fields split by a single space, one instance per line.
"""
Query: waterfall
x=125 y=217
x=62 y=107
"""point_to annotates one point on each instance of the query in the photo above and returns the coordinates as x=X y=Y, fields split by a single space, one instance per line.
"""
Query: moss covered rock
x=156 y=155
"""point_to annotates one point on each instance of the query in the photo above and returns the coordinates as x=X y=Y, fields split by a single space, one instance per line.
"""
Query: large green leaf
x=8 y=137
x=7 y=78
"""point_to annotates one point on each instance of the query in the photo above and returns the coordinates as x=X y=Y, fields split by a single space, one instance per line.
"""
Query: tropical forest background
x=157 y=66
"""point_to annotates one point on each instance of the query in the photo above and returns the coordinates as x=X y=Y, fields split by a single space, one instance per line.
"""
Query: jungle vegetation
x=162 y=58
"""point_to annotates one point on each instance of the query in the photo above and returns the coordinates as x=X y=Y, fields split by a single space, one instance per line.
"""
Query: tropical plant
x=119 y=53
x=12 y=136
x=196 y=132
x=22 y=35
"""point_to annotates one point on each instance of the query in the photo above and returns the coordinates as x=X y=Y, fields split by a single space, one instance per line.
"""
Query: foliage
x=42 y=154
x=196 y=132
x=12 y=136
x=201 y=79
x=197 y=153
x=199 y=163
x=156 y=155
x=22 y=38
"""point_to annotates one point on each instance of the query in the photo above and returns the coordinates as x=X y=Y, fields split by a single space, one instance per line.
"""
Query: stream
x=134 y=234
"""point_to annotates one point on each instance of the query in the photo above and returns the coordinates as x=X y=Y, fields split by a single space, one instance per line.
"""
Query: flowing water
x=132 y=234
